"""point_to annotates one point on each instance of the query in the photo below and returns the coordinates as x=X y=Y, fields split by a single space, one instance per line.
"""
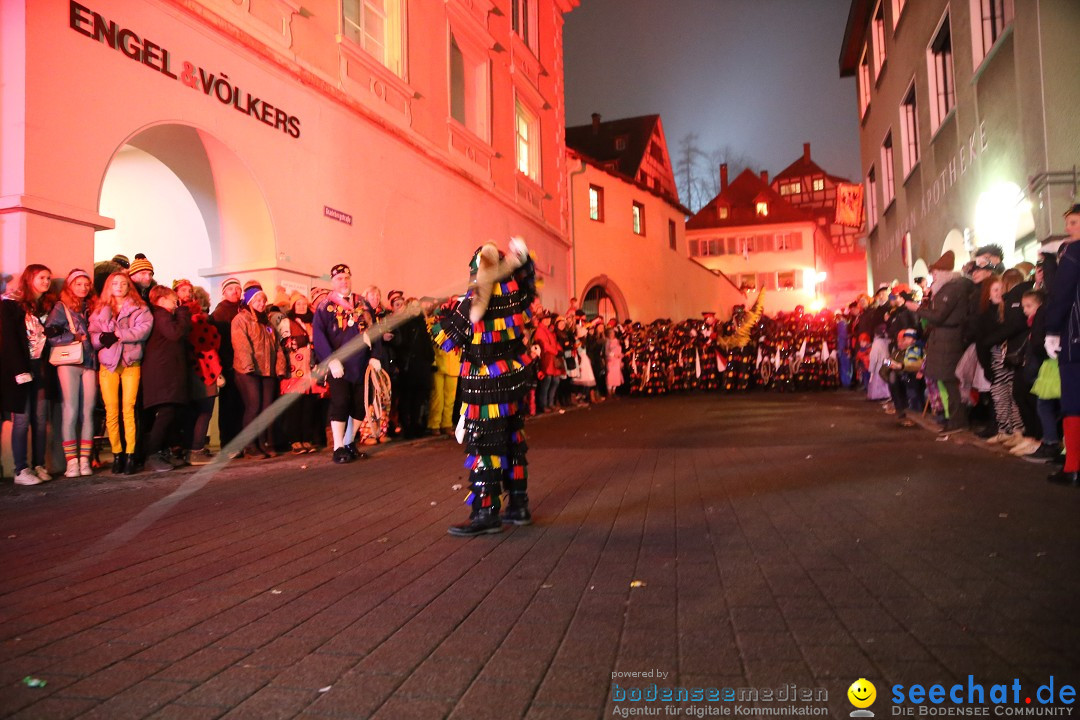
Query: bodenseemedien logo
x=862 y=694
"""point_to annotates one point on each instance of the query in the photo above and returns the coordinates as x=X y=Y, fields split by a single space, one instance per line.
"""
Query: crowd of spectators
x=975 y=349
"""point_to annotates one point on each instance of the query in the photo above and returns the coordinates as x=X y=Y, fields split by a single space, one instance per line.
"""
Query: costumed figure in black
x=340 y=317
x=488 y=325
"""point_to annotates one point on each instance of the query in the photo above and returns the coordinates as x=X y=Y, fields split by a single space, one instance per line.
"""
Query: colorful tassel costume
x=488 y=325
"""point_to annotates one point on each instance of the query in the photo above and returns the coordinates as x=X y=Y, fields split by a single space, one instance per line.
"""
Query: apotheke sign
x=86 y=22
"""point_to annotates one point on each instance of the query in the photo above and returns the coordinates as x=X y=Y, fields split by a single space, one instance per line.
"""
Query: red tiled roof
x=806 y=168
x=741 y=197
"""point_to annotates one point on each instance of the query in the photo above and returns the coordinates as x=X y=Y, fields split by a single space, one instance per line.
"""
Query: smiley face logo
x=862 y=693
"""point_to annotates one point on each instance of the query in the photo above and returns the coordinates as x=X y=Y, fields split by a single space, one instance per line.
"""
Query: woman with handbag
x=76 y=364
x=119 y=329
x=25 y=386
x=303 y=424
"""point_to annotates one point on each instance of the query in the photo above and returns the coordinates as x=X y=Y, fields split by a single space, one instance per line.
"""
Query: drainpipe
x=573 y=232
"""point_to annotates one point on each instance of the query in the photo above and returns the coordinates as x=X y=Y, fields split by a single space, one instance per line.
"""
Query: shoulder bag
x=67 y=353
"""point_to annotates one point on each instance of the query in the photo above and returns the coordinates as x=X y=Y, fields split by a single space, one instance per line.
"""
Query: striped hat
x=229 y=281
x=176 y=284
x=139 y=264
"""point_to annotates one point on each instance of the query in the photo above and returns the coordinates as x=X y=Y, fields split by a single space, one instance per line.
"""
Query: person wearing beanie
x=185 y=291
x=340 y=318
x=141 y=273
x=70 y=319
x=494 y=373
x=165 y=388
x=258 y=365
x=122 y=261
x=946 y=315
x=230 y=404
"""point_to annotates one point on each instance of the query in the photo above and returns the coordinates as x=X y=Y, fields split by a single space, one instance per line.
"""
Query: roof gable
x=741 y=197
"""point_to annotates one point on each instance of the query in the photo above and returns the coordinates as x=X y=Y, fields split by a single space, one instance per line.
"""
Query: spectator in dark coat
x=165 y=372
x=230 y=404
x=946 y=315
x=1063 y=342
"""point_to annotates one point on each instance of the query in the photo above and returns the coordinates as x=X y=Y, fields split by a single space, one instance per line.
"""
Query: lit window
x=786 y=280
x=528 y=143
x=788 y=241
x=596 y=203
x=878 y=29
x=762 y=208
x=722 y=212
x=871 y=198
x=523 y=21
x=888 y=191
x=671 y=234
x=864 y=82
x=897 y=8
x=639 y=218
x=909 y=130
x=940 y=75
x=819 y=184
x=377 y=26
x=990 y=18
x=469 y=88
x=748 y=281
x=620 y=142
x=785 y=189
x=796 y=188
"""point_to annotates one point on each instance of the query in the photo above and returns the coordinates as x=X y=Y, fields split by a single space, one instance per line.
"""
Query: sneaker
x=156 y=463
x=342 y=456
x=72 y=468
x=1025 y=447
x=200 y=457
x=85 y=469
x=27 y=476
x=42 y=473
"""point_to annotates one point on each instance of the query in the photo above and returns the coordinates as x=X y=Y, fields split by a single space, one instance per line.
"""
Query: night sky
x=760 y=76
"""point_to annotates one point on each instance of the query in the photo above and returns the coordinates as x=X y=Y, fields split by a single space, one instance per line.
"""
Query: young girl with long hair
x=25 y=376
x=119 y=329
x=70 y=322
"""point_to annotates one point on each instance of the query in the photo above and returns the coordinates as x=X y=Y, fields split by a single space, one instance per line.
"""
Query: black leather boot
x=482 y=521
x=517 y=509
x=119 y=463
x=1069 y=479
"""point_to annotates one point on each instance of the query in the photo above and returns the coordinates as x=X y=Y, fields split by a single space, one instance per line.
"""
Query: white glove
x=519 y=248
x=1052 y=345
x=375 y=364
x=336 y=368
x=367 y=339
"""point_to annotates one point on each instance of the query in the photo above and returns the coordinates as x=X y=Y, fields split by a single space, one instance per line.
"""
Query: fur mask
x=491 y=267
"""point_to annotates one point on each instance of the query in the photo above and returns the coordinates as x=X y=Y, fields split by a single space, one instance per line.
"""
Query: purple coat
x=131 y=326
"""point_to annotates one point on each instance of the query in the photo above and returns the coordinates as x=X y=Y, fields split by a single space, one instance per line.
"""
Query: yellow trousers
x=441 y=402
x=126 y=379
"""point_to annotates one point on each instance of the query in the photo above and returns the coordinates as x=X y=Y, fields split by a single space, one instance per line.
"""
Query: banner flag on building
x=849 y=204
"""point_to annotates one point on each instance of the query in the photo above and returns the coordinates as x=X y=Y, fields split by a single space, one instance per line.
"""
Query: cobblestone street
x=724 y=541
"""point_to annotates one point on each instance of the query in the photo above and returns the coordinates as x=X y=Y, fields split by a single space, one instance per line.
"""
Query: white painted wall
x=156 y=215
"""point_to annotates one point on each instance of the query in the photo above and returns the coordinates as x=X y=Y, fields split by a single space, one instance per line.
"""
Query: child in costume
x=488 y=324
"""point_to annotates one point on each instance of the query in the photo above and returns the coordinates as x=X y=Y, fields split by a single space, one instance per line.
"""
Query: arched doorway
x=954 y=241
x=186 y=201
x=603 y=299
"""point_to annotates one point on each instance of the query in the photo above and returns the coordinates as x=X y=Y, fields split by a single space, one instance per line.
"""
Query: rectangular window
x=878 y=29
x=671 y=234
x=528 y=143
x=378 y=27
x=864 y=82
x=888 y=188
x=819 y=184
x=897 y=8
x=748 y=281
x=909 y=130
x=796 y=188
x=788 y=241
x=761 y=208
x=785 y=280
x=722 y=212
x=523 y=21
x=734 y=246
x=764 y=243
x=596 y=203
x=693 y=247
x=940 y=75
x=469 y=88
x=785 y=189
x=639 y=218
x=871 y=198
x=990 y=19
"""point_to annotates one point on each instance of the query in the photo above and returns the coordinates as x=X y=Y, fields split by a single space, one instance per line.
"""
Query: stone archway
x=178 y=191
x=602 y=297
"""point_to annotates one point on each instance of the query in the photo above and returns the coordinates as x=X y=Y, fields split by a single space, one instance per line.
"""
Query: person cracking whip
x=487 y=324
